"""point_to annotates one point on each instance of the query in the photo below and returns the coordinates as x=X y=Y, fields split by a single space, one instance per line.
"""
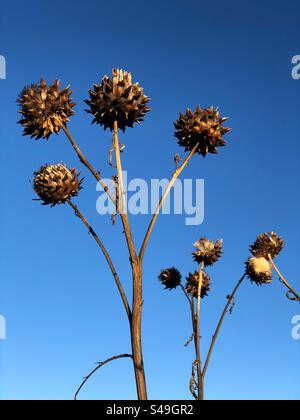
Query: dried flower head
x=208 y=252
x=118 y=99
x=259 y=270
x=204 y=126
x=192 y=284
x=45 y=109
x=54 y=184
x=170 y=278
x=267 y=244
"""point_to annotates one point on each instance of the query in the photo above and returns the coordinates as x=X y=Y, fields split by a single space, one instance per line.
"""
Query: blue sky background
x=62 y=310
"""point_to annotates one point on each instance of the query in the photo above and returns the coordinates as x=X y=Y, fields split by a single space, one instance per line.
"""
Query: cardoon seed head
x=208 y=252
x=192 y=284
x=203 y=127
x=259 y=270
x=117 y=98
x=267 y=244
x=45 y=109
x=170 y=278
x=54 y=184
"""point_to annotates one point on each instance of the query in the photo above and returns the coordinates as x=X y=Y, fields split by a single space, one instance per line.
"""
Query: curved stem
x=163 y=199
x=291 y=290
x=185 y=294
x=215 y=336
x=108 y=259
x=86 y=163
x=198 y=337
x=121 y=356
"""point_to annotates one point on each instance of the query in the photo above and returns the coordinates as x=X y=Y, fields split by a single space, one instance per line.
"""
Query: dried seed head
x=208 y=252
x=44 y=109
x=204 y=126
x=170 y=278
x=267 y=244
x=192 y=284
x=118 y=99
x=54 y=184
x=259 y=270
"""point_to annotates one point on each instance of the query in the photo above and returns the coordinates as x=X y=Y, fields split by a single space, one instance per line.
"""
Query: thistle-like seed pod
x=192 y=284
x=170 y=278
x=208 y=252
x=267 y=244
x=54 y=184
x=45 y=109
x=118 y=99
x=204 y=126
x=259 y=270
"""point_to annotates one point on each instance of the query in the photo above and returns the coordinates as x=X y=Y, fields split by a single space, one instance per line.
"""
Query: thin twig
x=191 y=303
x=86 y=163
x=198 y=337
x=163 y=199
x=186 y=295
x=100 y=365
x=215 y=336
x=107 y=256
x=291 y=290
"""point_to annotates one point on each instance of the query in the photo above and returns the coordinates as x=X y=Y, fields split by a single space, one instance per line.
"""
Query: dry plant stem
x=136 y=264
x=198 y=337
x=122 y=193
x=86 y=163
x=97 y=175
x=216 y=334
x=100 y=365
x=284 y=280
x=163 y=199
x=108 y=259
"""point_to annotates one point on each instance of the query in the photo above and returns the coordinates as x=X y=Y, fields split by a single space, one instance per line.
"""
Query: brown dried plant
x=198 y=285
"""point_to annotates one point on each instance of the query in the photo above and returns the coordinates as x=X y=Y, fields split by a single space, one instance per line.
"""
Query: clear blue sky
x=63 y=312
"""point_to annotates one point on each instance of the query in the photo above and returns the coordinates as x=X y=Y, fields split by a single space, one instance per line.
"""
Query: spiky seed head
x=259 y=270
x=208 y=252
x=118 y=99
x=204 y=126
x=54 y=184
x=192 y=284
x=267 y=244
x=170 y=278
x=45 y=109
